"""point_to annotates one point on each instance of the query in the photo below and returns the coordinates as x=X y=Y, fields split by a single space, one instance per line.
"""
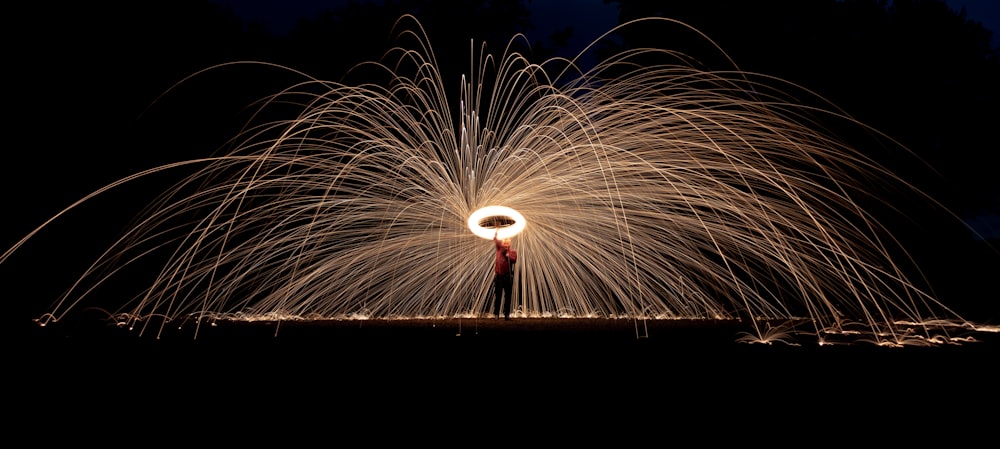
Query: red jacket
x=501 y=264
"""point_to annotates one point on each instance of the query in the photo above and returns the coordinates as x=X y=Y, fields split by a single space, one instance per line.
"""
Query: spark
x=655 y=190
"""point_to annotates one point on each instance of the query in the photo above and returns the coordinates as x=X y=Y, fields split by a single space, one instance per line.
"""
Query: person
x=503 y=276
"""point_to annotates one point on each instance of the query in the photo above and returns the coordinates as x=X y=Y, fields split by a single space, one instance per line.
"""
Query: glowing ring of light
x=491 y=211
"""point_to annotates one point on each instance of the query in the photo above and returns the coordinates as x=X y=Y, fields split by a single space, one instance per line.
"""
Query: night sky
x=588 y=19
x=90 y=79
x=86 y=80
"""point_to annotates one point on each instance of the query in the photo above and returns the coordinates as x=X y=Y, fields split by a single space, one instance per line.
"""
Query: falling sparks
x=652 y=190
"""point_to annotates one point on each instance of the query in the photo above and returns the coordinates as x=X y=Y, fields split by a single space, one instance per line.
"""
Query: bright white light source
x=505 y=231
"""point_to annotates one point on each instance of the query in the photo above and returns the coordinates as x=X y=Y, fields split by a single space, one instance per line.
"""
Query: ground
x=592 y=374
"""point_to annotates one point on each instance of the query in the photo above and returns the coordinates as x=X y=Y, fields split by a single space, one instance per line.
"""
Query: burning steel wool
x=638 y=190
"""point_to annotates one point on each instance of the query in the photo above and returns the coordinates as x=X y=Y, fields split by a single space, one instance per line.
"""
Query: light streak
x=502 y=232
x=656 y=190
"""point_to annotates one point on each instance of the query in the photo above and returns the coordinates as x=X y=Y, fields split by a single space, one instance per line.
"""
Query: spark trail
x=650 y=190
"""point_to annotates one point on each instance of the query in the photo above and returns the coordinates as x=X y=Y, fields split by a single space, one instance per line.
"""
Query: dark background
x=93 y=103
x=87 y=80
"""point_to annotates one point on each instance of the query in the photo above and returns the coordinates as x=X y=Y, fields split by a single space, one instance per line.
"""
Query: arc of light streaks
x=654 y=190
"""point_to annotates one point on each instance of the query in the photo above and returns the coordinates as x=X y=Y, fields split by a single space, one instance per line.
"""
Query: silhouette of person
x=503 y=276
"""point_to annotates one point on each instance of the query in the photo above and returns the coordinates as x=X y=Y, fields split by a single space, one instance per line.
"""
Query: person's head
x=505 y=244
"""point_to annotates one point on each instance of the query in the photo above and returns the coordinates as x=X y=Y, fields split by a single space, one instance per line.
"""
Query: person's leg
x=508 y=293
x=497 y=297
